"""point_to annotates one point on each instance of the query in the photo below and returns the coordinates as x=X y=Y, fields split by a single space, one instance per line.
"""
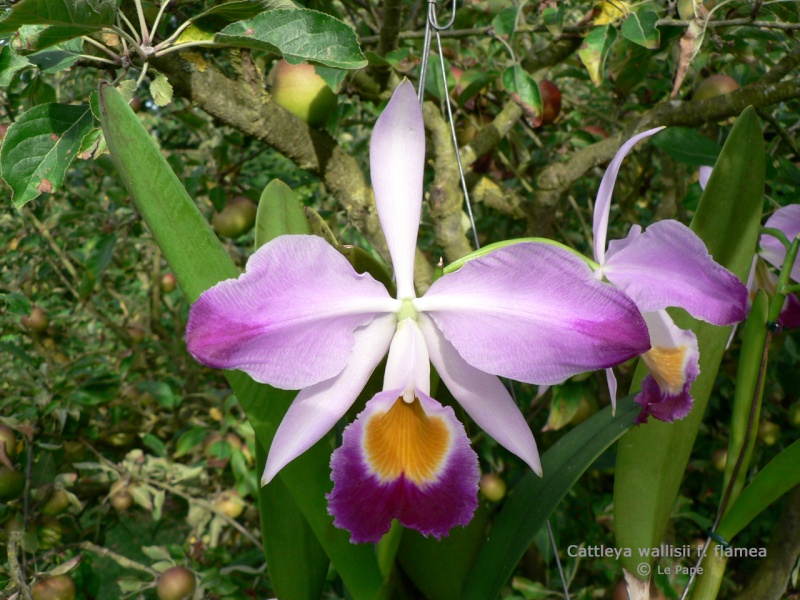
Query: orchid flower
x=772 y=250
x=666 y=265
x=301 y=318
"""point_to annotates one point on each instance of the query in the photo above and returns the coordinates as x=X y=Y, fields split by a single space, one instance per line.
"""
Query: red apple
x=177 y=583
x=136 y=104
x=238 y=217
x=38 y=321
x=551 y=101
x=302 y=92
x=60 y=587
x=168 y=282
x=716 y=85
x=596 y=131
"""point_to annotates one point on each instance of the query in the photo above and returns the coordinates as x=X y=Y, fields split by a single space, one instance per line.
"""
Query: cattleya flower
x=300 y=317
x=772 y=250
x=666 y=265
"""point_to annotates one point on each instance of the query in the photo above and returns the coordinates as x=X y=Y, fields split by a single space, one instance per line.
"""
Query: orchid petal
x=397 y=161
x=317 y=408
x=790 y=313
x=673 y=362
x=408 y=365
x=534 y=312
x=668 y=265
x=409 y=461
x=703 y=175
x=787 y=220
x=483 y=397
x=602 y=205
x=289 y=320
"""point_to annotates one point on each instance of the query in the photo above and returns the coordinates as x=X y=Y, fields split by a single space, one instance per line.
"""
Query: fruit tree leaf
x=505 y=23
x=299 y=35
x=32 y=38
x=161 y=90
x=39 y=146
x=11 y=63
x=59 y=57
x=86 y=14
x=594 y=51
x=641 y=29
x=516 y=80
x=688 y=146
x=554 y=19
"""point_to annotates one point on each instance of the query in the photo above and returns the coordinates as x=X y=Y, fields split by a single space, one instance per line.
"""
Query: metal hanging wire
x=432 y=27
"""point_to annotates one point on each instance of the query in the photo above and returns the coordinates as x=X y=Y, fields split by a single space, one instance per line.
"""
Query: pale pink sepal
x=397 y=161
x=787 y=220
x=482 y=396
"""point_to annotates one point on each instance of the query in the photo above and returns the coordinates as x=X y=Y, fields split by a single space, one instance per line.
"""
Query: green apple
x=719 y=459
x=177 y=583
x=56 y=504
x=168 y=282
x=714 y=86
x=238 y=217
x=769 y=432
x=493 y=487
x=302 y=92
x=8 y=440
x=12 y=483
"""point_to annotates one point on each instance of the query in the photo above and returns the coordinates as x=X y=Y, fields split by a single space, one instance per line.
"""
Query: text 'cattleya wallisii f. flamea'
x=301 y=318
x=666 y=265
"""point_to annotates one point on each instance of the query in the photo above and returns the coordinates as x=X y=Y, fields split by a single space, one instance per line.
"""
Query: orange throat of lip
x=667 y=367
x=404 y=440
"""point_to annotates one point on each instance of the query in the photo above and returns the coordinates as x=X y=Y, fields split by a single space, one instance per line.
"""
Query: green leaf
x=554 y=19
x=299 y=35
x=161 y=90
x=297 y=563
x=424 y=560
x=652 y=458
x=16 y=303
x=517 y=80
x=216 y=17
x=199 y=261
x=333 y=77
x=86 y=14
x=688 y=146
x=533 y=498
x=505 y=22
x=39 y=146
x=59 y=57
x=279 y=213
x=11 y=63
x=641 y=29
x=33 y=38
x=778 y=477
x=595 y=49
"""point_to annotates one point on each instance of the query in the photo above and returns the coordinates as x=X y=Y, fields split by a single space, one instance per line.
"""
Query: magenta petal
x=317 y=408
x=534 y=312
x=668 y=265
x=787 y=220
x=289 y=320
x=482 y=396
x=790 y=313
x=364 y=499
x=397 y=161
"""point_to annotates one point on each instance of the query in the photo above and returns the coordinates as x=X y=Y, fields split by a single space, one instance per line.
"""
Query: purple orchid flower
x=301 y=318
x=772 y=250
x=666 y=265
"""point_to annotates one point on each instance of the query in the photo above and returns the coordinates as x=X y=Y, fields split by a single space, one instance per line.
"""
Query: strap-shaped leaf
x=39 y=146
x=534 y=498
x=653 y=457
x=199 y=261
x=86 y=14
x=299 y=35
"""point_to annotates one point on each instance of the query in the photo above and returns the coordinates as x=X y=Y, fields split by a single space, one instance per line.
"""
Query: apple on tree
x=302 y=92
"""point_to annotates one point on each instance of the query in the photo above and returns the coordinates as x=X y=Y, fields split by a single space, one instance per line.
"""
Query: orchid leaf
x=641 y=29
x=652 y=458
x=39 y=146
x=86 y=14
x=595 y=49
x=279 y=213
x=533 y=498
x=299 y=35
x=199 y=261
x=778 y=477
